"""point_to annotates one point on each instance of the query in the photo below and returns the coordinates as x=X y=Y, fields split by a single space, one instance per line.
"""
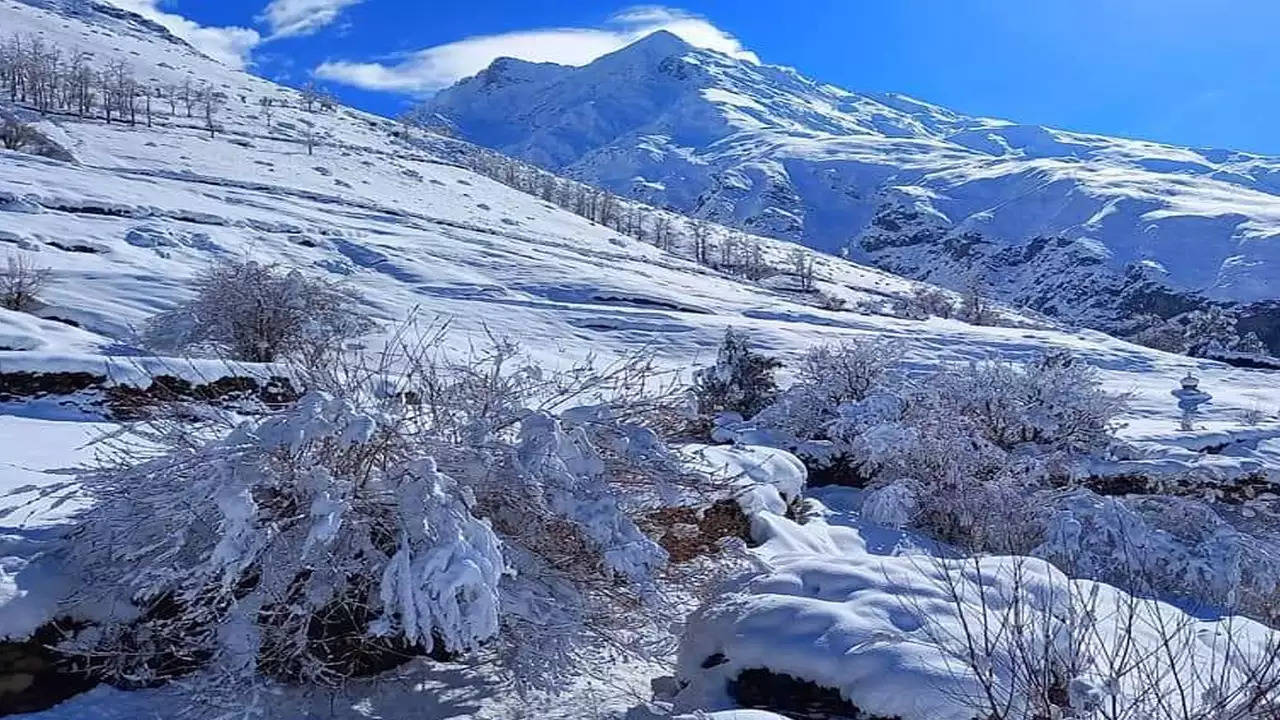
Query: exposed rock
x=761 y=689
x=35 y=677
x=131 y=402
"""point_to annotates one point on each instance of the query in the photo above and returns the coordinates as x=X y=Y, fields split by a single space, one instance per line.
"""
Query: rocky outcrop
x=34 y=676
x=125 y=402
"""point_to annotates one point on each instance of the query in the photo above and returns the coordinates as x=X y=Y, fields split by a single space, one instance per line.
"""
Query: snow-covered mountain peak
x=656 y=46
x=776 y=153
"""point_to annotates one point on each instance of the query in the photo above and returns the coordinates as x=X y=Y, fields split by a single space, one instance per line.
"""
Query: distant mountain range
x=1093 y=229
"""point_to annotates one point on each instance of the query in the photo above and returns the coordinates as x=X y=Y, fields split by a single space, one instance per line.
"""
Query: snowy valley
x=521 y=463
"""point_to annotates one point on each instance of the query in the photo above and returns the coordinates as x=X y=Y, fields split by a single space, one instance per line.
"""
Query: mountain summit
x=1094 y=228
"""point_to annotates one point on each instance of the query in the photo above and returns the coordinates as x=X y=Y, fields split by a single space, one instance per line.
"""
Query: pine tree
x=741 y=381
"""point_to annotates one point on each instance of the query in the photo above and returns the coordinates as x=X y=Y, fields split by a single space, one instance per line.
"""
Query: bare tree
x=309 y=134
x=662 y=235
x=311 y=95
x=21 y=283
x=80 y=80
x=975 y=308
x=211 y=101
x=701 y=233
x=802 y=262
x=267 y=103
x=190 y=95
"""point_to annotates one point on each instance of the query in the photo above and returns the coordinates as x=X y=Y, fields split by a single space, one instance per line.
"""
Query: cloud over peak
x=291 y=18
x=433 y=68
x=231 y=46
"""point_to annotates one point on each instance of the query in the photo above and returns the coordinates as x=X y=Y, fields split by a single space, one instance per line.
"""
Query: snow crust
x=139 y=211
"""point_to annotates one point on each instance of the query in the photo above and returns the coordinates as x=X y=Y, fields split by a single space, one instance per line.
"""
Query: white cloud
x=288 y=18
x=438 y=67
x=229 y=45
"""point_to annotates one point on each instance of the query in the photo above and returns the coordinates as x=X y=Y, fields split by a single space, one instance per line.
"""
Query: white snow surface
x=865 y=610
x=125 y=226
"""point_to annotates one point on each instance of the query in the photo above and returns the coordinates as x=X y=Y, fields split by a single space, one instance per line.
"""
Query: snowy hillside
x=125 y=215
x=1084 y=226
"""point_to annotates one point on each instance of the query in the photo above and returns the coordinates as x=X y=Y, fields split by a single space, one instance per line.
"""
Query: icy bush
x=958 y=451
x=845 y=373
x=21 y=283
x=1209 y=332
x=16 y=135
x=1158 y=544
x=1054 y=402
x=742 y=380
x=420 y=505
x=260 y=313
x=923 y=303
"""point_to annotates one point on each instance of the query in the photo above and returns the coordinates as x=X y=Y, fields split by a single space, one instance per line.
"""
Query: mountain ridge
x=768 y=150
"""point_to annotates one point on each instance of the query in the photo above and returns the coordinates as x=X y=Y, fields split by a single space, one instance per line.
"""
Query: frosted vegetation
x=993 y=457
x=411 y=503
x=752 y=474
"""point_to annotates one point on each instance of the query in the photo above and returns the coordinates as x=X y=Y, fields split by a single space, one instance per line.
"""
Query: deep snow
x=140 y=210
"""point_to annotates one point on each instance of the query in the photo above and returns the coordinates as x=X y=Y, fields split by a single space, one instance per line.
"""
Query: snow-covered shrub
x=845 y=373
x=960 y=452
x=1159 y=334
x=1251 y=344
x=830 y=380
x=827 y=301
x=741 y=381
x=16 y=135
x=260 y=313
x=1029 y=643
x=21 y=282
x=418 y=504
x=923 y=303
x=1054 y=402
x=1209 y=330
x=1162 y=544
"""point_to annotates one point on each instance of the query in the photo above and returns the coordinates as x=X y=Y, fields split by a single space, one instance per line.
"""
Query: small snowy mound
x=24 y=332
x=762 y=478
x=893 y=634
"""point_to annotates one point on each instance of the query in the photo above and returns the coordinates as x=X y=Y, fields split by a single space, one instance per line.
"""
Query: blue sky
x=1192 y=72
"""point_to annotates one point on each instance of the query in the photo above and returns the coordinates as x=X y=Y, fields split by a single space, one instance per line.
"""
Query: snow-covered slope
x=132 y=212
x=1048 y=217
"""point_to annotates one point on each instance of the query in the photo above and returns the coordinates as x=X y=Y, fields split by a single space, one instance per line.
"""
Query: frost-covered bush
x=21 y=282
x=420 y=505
x=923 y=303
x=260 y=313
x=960 y=451
x=16 y=135
x=1209 y=332
x=1054 y=402
x=742 y=380
x=1161 y=544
